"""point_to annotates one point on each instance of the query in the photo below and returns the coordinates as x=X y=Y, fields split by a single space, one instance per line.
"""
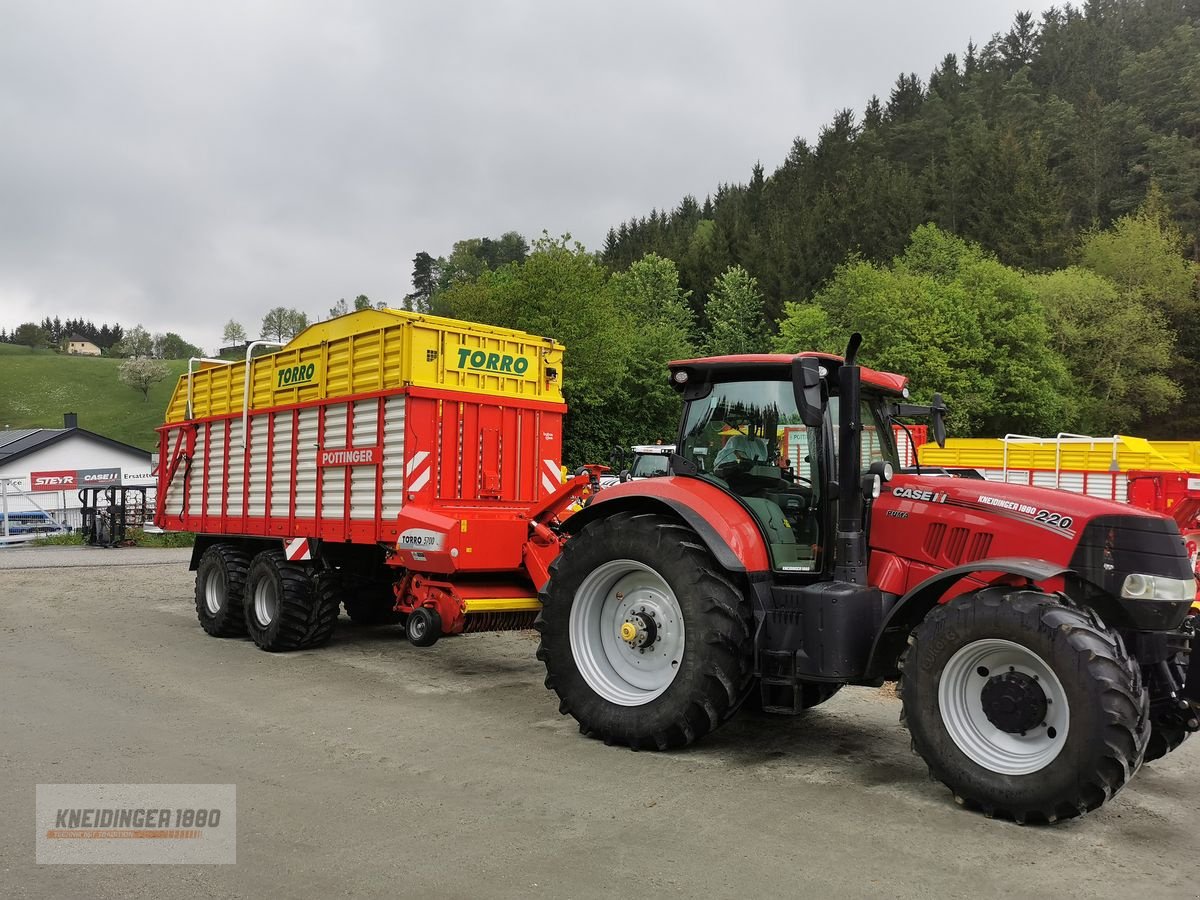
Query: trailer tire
x=633 y=569
x=220 y=583
x=286 y=608
x=424 y=627
x=1025 y=707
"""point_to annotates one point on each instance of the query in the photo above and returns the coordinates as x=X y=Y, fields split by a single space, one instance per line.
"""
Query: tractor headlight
x=1158 y=587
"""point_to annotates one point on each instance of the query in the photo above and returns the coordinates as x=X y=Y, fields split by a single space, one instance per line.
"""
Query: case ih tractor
x=1040 y=638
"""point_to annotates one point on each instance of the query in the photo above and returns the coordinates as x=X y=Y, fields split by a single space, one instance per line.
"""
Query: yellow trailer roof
x=377 y=349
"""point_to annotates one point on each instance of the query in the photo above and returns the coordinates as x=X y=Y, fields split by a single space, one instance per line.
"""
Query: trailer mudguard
x=726 y=527
x=913 y=606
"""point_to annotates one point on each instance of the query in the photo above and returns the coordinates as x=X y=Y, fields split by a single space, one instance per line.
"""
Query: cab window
x=747 y=436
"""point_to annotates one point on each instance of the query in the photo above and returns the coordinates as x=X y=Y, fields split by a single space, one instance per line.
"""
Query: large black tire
x=713 y=671
x=220 y=583
x=1100 y=684
x=286 y=608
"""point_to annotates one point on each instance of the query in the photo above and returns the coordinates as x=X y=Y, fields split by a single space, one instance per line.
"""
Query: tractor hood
x=944 y=522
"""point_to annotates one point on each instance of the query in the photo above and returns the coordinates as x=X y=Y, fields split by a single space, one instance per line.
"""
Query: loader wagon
x=382 y=460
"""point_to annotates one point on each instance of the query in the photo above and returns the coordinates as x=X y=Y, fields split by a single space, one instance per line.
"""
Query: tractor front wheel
x=645 y=640
x=1024 y=707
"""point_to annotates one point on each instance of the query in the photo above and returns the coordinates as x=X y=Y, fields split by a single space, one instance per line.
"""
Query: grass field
x=38 y=386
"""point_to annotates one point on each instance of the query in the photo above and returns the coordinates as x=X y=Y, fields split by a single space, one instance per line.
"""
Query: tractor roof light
x=1158 y=587
x=680 y=376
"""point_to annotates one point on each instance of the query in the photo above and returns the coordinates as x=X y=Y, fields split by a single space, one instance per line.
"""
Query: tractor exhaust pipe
x=851 y=550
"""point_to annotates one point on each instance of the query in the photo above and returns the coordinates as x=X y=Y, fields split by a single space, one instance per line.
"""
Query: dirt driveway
x=372 y=768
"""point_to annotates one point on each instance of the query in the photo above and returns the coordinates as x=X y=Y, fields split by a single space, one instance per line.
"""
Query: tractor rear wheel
x=286 y=608
x=1024 y=707
x=646 y=641
x=220 y=583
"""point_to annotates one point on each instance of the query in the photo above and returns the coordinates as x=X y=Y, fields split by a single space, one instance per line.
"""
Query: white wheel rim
x=626 y=591
x=960 y=702
x=266 y=602
x=214 y=592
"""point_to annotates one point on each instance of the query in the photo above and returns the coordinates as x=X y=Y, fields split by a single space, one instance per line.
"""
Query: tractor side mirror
x=806 y=384
x=624 y=476
x=939 y=421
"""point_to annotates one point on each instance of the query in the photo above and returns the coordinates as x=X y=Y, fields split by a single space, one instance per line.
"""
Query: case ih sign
x=70 y=479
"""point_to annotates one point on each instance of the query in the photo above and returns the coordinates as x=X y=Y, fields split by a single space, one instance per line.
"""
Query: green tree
x=648 y=297
x=136 y=343
x=281 y=323
x=172 y=346
x=362 y=301
x=234 y=333
x=1118 y=349
x=141 y=374
x=736 y=320
x=30 y=334
x=338 y=309
x=1140 y=253
x=953 y=319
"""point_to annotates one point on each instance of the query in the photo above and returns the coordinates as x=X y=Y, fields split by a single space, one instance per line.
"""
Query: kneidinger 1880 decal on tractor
x=1041 y=639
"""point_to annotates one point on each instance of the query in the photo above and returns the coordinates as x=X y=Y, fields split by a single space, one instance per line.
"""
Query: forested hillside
x=1052 y=129
x=1019 y=230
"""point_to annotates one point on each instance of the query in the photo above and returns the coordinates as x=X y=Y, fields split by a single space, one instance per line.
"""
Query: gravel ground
x=372 y=768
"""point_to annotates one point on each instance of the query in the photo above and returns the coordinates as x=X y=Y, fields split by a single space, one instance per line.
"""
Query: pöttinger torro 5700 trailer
x=398 y=464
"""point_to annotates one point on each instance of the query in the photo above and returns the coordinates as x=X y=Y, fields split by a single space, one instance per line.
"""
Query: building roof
x=18 y=442
x=80 y=339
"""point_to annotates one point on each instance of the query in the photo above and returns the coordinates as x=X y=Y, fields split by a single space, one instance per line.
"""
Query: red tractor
x=1041 y=639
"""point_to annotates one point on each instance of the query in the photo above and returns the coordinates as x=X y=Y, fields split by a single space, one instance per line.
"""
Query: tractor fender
x=726 y=527
x=911 y=608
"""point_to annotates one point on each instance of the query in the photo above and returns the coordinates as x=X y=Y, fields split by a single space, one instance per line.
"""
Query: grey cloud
x=179 y=164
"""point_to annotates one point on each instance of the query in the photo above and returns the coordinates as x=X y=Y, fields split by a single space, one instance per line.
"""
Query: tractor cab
x=744 y=429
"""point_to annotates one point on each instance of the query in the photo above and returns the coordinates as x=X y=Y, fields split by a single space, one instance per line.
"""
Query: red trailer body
x=384 y=441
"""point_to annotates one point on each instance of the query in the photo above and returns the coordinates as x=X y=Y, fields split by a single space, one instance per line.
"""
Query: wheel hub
x=627 y=633
x=639 y=630
x=1004 y=706
x=1014 y=702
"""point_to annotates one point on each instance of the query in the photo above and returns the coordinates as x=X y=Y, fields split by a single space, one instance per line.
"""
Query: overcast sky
x=180 y=164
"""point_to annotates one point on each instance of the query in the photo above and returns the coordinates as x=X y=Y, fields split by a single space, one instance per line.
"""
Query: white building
x=45 y=468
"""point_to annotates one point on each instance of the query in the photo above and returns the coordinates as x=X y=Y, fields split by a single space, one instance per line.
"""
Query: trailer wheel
x=220 y=582
x=645 y=640
x=424 y=627
x=1024 y=707
x=286 y=608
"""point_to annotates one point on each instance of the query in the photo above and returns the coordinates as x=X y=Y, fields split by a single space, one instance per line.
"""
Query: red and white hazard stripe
x=297 y=549
x=551 y=476
x=418 y=481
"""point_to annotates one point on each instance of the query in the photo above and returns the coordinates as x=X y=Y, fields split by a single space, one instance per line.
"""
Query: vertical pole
x=4 y=496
